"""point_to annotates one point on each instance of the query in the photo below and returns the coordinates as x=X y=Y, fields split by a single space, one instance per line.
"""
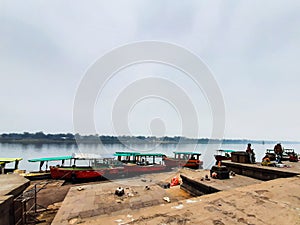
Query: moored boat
x=87 y=167
x=184 y=159
x=290 y=154
x=45 y=174
x=127 y=157
x=223 y=154
x=4 y=161
x=136 y=163
x=287 y=155
x=96 y=167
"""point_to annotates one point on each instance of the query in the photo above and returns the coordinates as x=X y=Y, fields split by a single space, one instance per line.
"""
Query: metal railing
x=26 y=206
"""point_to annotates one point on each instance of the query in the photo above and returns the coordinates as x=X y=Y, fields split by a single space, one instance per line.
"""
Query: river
x=30 y=151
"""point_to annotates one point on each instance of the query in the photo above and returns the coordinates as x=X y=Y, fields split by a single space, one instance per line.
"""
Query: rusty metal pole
x=35 y=199
x=24 y=212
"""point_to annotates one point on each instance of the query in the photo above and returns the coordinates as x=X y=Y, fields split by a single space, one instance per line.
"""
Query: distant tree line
x=36 y=137
x=41 y=137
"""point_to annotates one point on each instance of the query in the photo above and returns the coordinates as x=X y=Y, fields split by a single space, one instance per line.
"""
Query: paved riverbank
x=238 y=200
x=271 y=202
x=97 y=204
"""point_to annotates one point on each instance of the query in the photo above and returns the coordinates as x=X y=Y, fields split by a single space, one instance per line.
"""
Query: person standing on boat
x=278 y=151
x=251 y=154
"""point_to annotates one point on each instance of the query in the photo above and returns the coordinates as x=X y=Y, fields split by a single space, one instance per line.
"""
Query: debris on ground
x=167 y=199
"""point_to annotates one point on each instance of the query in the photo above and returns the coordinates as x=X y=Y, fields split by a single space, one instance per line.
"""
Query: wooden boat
x=45 y=174
x=136 y=163
x=223 y=154
x=184 y=159
x=290 y=155
x=287 y=155
x=270 y=154
x=127 y=157
x=96 y=167
x=87 y=167
x=4 y=161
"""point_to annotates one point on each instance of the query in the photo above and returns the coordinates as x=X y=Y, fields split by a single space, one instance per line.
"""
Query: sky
x=252 y=48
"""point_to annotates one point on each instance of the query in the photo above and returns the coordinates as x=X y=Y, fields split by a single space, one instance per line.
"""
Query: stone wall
x=6 y=210
x=196 y=188
x=261 y=173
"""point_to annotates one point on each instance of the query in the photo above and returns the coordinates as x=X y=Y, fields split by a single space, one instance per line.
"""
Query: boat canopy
x=226 y=150
x=3 y=162
x=51 y=159
x=126 y=153
x=151 y=154
x=289 y=150
x=8 y=160
x=269 y=150
x=187 y=153
x=138 y=154
x=86 y=156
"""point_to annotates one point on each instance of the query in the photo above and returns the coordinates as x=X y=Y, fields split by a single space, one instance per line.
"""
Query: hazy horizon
x=252 y=49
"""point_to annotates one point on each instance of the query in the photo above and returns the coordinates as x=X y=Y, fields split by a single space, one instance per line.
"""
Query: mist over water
x=30 y=151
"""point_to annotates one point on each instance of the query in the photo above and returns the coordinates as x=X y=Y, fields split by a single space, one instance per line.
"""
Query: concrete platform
x=240 y=199
x=258 y=171
x=12 y=184
x=99 y=199
x=196 y=185
x=272 y=202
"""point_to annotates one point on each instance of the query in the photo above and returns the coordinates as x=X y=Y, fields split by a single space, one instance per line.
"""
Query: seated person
x=251 y=154
x=278 y=151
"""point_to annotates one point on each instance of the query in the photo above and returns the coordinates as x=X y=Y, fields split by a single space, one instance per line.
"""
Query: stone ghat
x=11 y=186
x=264 y=173
x=92 y=200
x=272 y=202
x=240 y=199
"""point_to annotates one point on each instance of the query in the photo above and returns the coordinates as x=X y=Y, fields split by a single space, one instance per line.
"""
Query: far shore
x=68 y=138
x=95 y=142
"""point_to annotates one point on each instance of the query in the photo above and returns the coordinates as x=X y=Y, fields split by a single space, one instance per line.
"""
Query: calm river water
x=50 y=150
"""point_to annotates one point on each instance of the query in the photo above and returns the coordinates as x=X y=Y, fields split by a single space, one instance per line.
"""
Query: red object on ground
x=174 y=181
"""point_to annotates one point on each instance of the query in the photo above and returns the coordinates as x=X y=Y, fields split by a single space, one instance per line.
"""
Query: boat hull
x=90 y=173
x=139 y=169
x=221 y=158
x=37 y=175
x=191 y=163
x=77 y=173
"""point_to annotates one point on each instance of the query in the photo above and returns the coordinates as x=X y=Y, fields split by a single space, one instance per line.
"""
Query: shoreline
x=96 y=142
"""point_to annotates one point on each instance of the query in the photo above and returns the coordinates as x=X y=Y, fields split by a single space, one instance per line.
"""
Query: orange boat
x=136 y=163
x=128 y=164
x=223 y=154
x=91 y=167
x=185 y=159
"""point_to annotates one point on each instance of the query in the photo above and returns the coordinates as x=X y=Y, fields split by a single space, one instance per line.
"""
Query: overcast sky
x=251 y=47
